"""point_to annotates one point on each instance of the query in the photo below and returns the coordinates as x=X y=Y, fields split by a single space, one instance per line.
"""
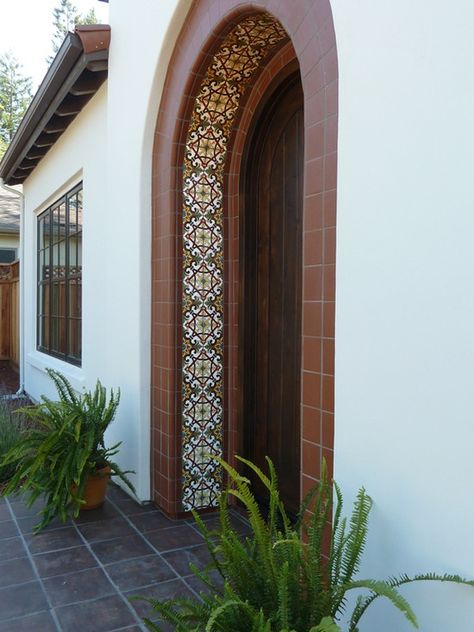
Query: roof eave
x=85 y=50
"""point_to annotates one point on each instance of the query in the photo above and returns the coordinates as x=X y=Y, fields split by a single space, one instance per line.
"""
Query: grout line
x=56 y=550
x=23 y=617
x=103 y=567
x=16 y=584
x=60 y=550
x=49 y=529
x=114 y=585
x=12 y=559
x=142 y=536
x=120 y=537
x=165 y=581
x=83 y=570
x=85 y=601
x=35 y=570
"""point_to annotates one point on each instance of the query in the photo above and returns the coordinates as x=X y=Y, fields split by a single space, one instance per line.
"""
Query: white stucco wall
x=143 y=36
x=78 y=155
x=109 y=147
x=405 y=300
x=81 y=154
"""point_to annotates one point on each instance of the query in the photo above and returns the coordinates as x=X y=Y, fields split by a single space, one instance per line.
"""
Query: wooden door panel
x=272 y=281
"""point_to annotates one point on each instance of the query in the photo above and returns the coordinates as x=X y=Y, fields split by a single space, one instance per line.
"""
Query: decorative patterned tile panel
x=242 y=52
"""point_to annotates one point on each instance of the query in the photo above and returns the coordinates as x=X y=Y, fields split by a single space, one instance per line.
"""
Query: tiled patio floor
x=79 y=576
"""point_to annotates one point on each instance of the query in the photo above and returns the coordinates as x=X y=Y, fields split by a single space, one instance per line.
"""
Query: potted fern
x=285 y=577
x=63 y=456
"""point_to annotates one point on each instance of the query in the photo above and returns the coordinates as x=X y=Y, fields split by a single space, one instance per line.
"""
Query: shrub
x=283 y=577
x=12 y=424
x=64 y=446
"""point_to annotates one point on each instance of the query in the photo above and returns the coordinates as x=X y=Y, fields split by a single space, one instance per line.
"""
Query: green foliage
x=65 y=18
x=15 y=97
x=11 y=427
x=326 y=625
x=283 y=577
x=3 y=147
x=65 y=445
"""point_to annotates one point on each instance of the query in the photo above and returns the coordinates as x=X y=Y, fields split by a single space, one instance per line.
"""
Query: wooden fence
x=10 y=312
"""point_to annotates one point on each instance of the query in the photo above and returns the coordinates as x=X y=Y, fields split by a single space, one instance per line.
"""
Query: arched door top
x=192 y=152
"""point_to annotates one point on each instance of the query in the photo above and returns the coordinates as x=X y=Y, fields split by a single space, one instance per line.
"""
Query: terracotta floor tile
x=100 y=615
x=74 y=587
x=17 y=571
x=120 y=549
x=21 y=600
x=142 y=571
x=56 y=562
x=40 y=622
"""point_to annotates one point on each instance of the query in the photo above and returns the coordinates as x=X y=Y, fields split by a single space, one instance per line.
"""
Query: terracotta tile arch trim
x=192 y=414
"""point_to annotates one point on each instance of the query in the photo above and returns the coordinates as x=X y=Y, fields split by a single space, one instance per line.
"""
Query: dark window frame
x=48 y=304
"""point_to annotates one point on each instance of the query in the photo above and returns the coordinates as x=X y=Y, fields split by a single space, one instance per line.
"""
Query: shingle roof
x=9 y=212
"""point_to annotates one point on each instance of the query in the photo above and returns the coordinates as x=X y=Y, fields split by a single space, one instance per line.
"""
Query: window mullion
x=50 y=280
x=66 y=276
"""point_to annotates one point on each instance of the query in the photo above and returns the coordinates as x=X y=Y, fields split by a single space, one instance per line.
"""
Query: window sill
x=42 y=361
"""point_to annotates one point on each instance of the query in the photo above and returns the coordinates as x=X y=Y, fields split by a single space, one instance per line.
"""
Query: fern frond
x=380 y=589
x=395 y=582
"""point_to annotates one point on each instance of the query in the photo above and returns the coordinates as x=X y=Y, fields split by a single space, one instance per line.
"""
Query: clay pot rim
x=100 y=472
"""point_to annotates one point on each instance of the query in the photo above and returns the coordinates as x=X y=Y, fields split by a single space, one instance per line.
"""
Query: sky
x=26 y=30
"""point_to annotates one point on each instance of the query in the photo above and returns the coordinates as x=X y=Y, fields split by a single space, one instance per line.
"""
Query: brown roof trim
x=77 y=72
x=93 y=37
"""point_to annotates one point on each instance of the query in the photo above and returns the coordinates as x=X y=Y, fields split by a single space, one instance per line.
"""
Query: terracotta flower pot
x=95 y=489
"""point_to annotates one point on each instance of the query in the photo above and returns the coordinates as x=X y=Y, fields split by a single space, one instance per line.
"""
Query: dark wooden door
x=271 y=278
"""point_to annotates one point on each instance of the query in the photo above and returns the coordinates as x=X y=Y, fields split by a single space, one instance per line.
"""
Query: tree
x=15 y=97
x=3 y=147
x=65 y=17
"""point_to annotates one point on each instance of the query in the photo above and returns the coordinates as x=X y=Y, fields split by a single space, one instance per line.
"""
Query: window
x=7 y=255
x=60 y=278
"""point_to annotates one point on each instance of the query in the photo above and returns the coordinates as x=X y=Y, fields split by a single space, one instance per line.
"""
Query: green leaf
x=384 y=589
x=326 y=625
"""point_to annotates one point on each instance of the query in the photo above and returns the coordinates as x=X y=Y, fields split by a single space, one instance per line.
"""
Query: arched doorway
x=206 y=114
x=271 y=264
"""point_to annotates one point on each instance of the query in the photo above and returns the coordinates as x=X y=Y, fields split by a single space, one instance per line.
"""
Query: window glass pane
x=59 y=260
x=40 y=231
x=79 y=251
x=73 y=254
x=43 y=300
x=55 y=252
x=44 y=332
x=54 y=329
x=58 y=299
x=75 y=298
x=73 y=214
x=79 y=210
x=58 y=336
x=62 y=221
x=55 y=225
x=44 y=271
x=43 y=230
x=75 y=338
